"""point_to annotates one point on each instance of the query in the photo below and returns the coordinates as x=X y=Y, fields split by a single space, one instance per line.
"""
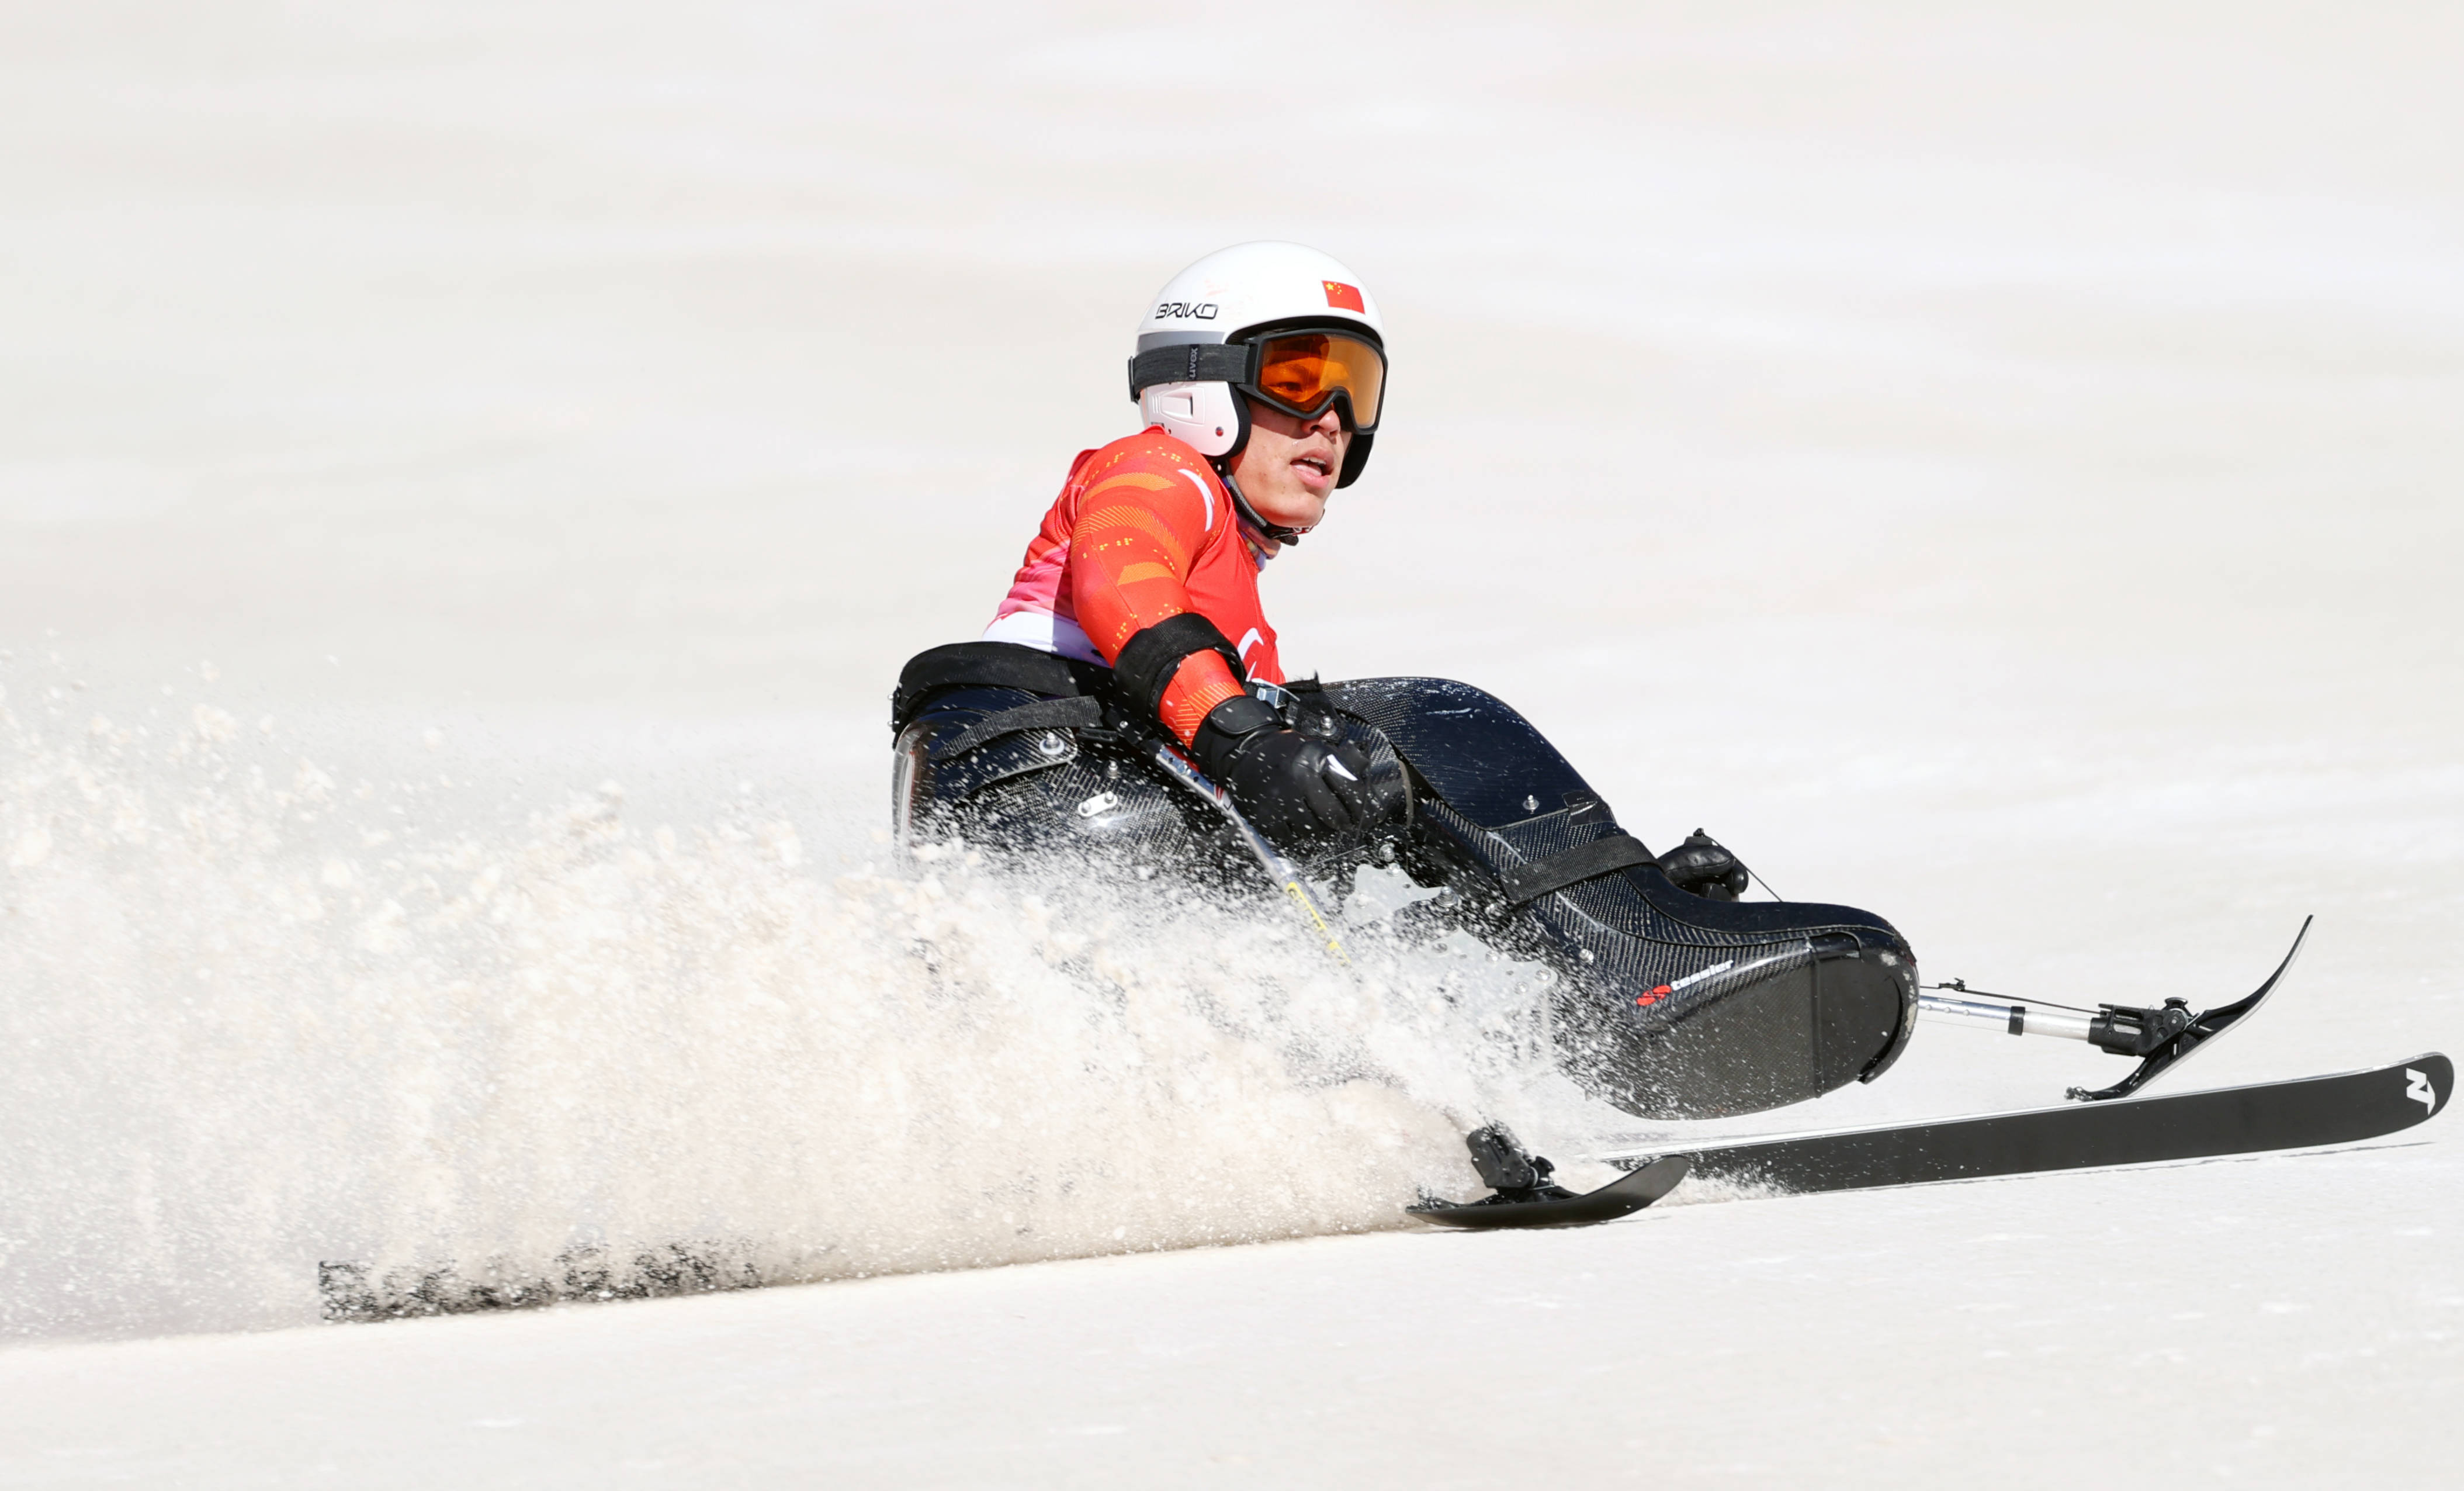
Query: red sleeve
x=1130 y=557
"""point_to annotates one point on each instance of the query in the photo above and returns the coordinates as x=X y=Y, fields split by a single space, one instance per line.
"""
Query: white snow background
x=468 y=475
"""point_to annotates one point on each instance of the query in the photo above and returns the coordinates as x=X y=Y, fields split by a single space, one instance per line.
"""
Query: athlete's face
x=1288 y=469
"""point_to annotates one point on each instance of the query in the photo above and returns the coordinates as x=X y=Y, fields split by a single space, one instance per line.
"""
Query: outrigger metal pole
x=1281 y=870
x=2125 y=1029
x=2016 y=1019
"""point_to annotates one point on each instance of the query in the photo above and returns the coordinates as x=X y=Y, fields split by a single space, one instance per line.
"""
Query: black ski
x=2300 y=1114
x=1552 y=1205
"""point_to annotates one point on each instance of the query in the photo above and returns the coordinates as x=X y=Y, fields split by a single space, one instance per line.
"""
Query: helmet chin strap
x=1222 y=465
x=1274 y=531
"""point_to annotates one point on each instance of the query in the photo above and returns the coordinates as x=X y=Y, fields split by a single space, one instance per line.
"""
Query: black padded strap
x=1227 y=726
x=1146 y=665
x=1582 y=862
x=983 y=665
x=1199 y=361
x=1044 y=714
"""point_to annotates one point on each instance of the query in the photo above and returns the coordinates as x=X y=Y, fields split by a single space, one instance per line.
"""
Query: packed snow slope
x=469 y=476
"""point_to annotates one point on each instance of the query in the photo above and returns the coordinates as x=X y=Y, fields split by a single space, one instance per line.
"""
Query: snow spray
x=259 y=1018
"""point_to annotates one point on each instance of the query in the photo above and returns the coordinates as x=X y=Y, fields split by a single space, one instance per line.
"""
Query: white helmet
x=1208 y=333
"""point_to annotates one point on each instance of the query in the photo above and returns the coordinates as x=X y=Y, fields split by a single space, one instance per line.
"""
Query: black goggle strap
x=1199 y=361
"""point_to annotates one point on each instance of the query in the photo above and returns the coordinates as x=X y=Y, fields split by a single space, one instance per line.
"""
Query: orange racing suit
x=1142 y=531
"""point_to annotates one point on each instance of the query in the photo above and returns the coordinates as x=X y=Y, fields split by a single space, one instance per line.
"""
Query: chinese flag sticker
x=1343 y=297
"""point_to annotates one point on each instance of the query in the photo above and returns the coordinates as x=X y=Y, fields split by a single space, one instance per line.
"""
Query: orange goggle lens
x=1302 y=371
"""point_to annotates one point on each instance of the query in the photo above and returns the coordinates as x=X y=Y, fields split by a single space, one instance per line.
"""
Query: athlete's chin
x=1296 y=509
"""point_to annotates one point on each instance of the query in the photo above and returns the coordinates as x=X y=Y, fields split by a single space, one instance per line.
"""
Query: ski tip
x=1668 y=1171
x=2429 y=1079
x=1623 y=1196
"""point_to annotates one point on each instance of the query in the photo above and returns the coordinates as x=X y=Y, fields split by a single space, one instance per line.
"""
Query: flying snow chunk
x=34 y=846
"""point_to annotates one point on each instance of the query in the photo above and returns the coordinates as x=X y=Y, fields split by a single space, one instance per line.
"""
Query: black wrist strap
x=1146 y=666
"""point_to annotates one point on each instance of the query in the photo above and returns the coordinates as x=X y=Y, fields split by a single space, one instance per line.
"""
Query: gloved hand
x=1288 y=784
x=1704 y=866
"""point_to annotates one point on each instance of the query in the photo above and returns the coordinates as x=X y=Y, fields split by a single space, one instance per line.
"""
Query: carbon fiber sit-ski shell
x=1668 y=1005
x=1671 y=1005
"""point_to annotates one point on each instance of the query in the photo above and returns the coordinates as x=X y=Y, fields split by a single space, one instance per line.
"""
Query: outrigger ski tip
x=2164 y=1038
x=1525 y=1196
x=1619 y=1198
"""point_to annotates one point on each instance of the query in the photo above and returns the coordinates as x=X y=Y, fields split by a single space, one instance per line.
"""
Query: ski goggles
x=1299 y=373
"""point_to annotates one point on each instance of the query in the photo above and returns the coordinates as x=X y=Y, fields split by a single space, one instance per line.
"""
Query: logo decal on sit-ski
x=1670 y=988
x=1204 y=310
x=2419 y=1090
x=1342 y=297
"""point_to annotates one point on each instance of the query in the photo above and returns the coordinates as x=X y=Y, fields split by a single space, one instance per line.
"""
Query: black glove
x=1703 y=865
x=1288 y=784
